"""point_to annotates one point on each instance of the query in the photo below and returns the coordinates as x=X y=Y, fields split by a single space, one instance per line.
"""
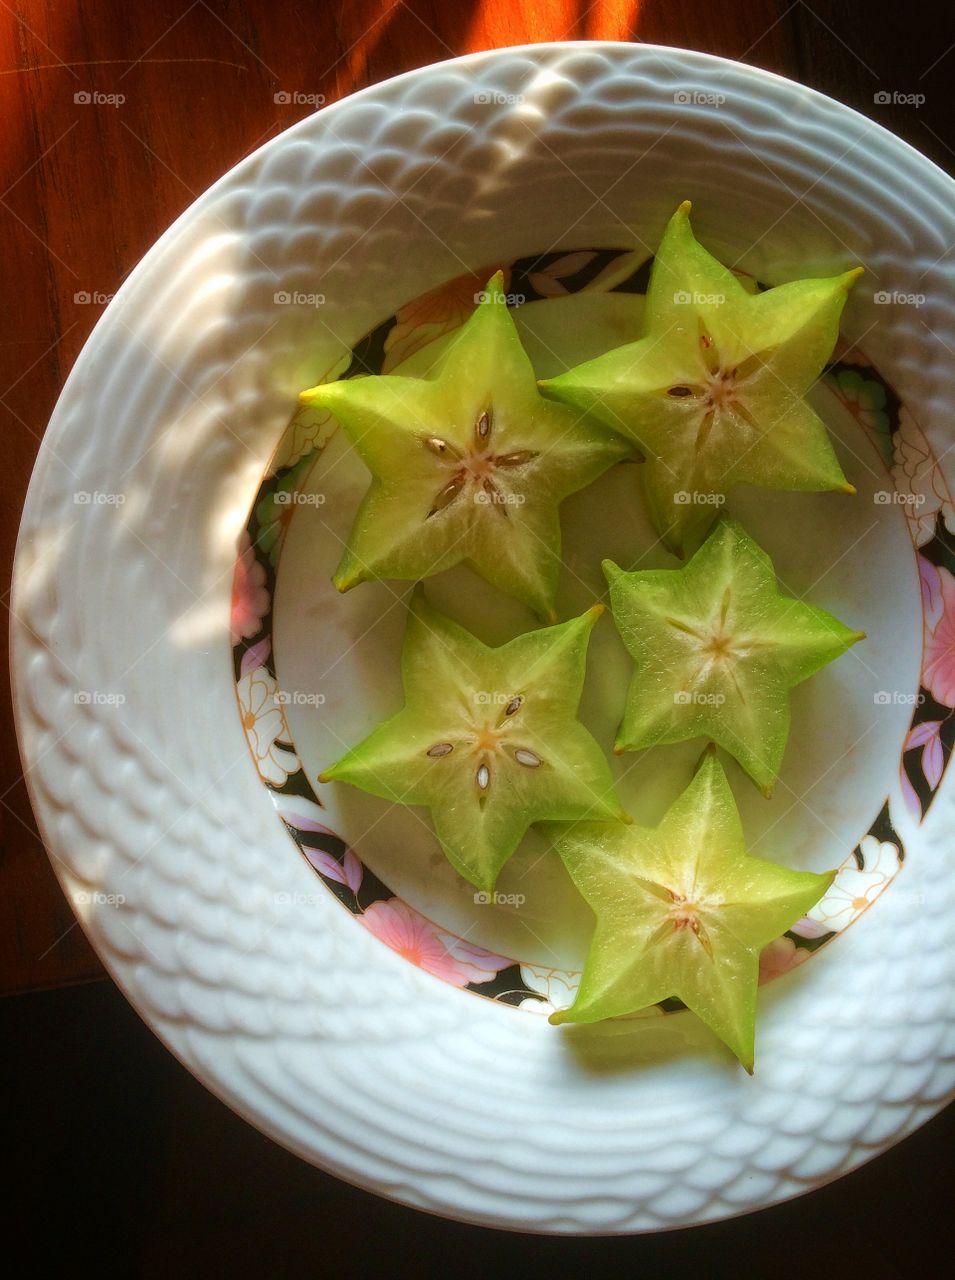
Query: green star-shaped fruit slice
x=713 y=391
x=468 y=464
x=682 y=911
x=717 y=649
x=488 y=739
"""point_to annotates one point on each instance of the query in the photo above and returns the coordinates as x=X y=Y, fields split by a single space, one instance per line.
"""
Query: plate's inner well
x=316 y=671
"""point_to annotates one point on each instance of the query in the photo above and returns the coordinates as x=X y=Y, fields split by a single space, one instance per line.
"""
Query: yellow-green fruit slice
x=682 y=911
x=469 y=464
x=716 y=650
x=488 y=739
x=712 y=392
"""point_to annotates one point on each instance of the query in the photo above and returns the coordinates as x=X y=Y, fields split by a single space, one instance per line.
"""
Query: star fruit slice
x=488 y=739
x=468 y=464
x=713 y=391
x=716 y=650
x=682 y=911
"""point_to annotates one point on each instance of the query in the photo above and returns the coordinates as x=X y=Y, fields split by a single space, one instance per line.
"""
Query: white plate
x=153 y=811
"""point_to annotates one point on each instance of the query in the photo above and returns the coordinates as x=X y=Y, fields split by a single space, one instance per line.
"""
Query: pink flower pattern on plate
x=931 y=589
x=927 y=735
x=419 y=940
x=939 y=673
x=250 y=597
x=779 y=957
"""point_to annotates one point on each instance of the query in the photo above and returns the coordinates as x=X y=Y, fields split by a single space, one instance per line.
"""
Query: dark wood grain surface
x=116 y=1145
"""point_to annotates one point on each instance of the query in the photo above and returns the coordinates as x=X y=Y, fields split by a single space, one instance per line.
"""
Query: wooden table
x=191 y=87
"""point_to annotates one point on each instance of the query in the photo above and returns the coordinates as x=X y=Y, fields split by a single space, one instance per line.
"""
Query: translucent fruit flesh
x=488 y=739
x=469 y=464
x=716 y=650
x=682 y=911
x=713 y=392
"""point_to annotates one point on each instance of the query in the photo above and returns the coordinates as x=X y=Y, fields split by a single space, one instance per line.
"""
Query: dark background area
x=116 y=1152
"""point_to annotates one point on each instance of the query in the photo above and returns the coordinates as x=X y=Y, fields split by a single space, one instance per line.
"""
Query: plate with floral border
x=177 y=655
